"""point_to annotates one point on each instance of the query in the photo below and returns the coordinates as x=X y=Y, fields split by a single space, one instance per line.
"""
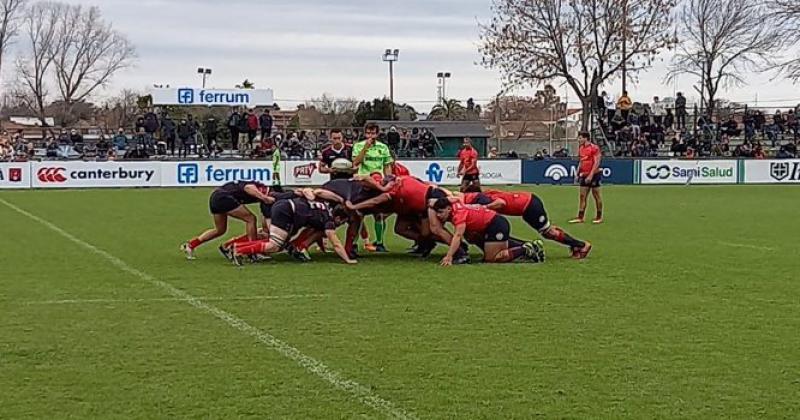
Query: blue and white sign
x=445 y=172
x=213 y=97
x=563 y=171
x=213 y=174
x=689 y=172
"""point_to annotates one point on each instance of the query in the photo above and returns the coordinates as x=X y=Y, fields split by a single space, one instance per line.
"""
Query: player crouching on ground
x=532 y=211
x=484 y=228
x=288 y=218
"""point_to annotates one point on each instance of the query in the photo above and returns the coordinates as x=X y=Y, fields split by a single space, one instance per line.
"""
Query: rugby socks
x=514 y=242
x=581 y=214
x=599 y=213
x=300 y=243
x=194 y=243
x=233 y=241
x=250 y=248
x=364 y=232
x=557 y=234
x=380 y=226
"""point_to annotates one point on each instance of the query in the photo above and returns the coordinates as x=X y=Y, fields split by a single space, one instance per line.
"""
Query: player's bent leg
x=244 y=214
x=220 y=227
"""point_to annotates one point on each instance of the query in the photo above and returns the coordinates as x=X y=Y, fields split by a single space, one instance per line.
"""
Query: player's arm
x=372 y=202
x=498 y=204
x=437 y=228
x=455 y=243
x=323 y=167
x=253 y=190
x=596 y=167
x=328 y=196
x=370 y=183
x=359 y=151
x=307 y=193
x=338 y=247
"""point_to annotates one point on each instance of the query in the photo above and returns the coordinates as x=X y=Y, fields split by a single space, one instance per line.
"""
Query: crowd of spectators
x=660 y=126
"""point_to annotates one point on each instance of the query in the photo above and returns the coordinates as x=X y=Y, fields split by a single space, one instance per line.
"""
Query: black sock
x=581 y=214
x=557 y=234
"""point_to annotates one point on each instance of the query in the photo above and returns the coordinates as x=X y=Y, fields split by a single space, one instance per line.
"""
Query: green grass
x=689 y=307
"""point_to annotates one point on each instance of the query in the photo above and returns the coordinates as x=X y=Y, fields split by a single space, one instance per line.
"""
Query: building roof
x=442 y=128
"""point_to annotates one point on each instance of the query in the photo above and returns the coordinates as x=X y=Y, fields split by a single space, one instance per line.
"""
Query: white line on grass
x=748 y=246
x=145 y=300
x=361 y=392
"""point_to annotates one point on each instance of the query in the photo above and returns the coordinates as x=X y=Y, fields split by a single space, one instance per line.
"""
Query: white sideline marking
x=144 y=300
x=748 y=246
x=361 y=392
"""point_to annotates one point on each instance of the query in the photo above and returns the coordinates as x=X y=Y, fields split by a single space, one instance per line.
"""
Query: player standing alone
x=372 y=156
x=468 y=167
x=588 y=177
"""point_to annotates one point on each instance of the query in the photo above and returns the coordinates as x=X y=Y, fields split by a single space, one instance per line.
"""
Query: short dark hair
x=340 y=212
x=372 y=127
x=441 y=204
x=336 y=131
x=585 y=134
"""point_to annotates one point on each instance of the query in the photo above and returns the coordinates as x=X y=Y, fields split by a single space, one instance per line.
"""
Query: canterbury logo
x=51 y=175
x=305 y=171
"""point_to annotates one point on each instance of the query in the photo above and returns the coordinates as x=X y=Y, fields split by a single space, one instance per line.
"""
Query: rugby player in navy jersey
x=230 y=200
x=288 y=218
x=337 y=150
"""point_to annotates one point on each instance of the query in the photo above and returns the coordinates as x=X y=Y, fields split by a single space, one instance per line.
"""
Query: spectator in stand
x=51 y=147
x=323 y=139
x=233 y=127
x=393 y=139
x=413 y=145
x=76 y=139
x=102 y=147
x=139 y=124
x=427 y=144
x=610 y=106
x=658 y=110
x=680 y=111
x=244 y=132
x=749 y=127
x=635 y=125
x=759 y=153
x=252 y=128
x=730 y=128
x=185 y=137
x=120 y=141
x=760 y=121
x=791 y=123
x=690 y=153
x=151 y=124
x=6 y=151
x=625 y=104
x=309 y=145
x=265 y=123
x=294 y=148
x=669 y=120
x=210 y=132
x=64 y=145
x=405 y=137
x=167 y=133
x=492 y=153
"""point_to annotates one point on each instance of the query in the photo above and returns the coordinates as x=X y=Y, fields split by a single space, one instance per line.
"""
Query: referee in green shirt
x=371 y=156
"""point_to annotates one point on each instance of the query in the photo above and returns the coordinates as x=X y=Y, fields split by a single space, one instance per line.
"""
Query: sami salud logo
x=434 y=173
x=190 y=173
x=187 y=96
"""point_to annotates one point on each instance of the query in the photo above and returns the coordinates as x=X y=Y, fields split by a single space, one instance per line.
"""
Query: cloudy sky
x=302 y=48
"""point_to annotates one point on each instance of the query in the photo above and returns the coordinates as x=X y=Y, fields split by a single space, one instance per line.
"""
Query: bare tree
x=582 y=42
x=787 y=18
x=333 y=112
x=122 y=109
x=40 y=31
x=87 y=53
x=720 y=40
x=10 y=17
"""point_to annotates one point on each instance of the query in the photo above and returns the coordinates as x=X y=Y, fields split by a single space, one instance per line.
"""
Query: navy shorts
x=536 y=216
x=499 y=230
x=222 y=203
x=594 y=184
x=283 y=215
x=470 y=178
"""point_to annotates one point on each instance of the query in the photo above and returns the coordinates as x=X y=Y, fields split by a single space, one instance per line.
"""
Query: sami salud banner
x=772 y=171
x=563 y=171
x=689 y=172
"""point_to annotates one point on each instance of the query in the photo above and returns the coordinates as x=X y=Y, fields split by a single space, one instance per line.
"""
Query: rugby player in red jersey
x=227 y=201
x=288 y=218
x=532 y=211
x=484 y=228
x=468 y=166
x=588 y=177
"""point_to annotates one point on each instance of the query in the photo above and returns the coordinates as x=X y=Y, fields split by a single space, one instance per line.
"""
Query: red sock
x=194 y=243
x=237 y=240
x=300 y=242
x=364 y=232
x=250 y=248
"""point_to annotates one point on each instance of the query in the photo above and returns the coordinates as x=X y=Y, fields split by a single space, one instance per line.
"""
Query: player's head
x=337 y=138
x=340 y=215
x=584 y=138
x=371 y=131
x=467 y=143
x=442 y=207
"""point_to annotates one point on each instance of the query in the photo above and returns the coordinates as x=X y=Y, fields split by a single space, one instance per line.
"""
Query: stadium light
x=443 y=76
x=204 y=72
x=390 y=56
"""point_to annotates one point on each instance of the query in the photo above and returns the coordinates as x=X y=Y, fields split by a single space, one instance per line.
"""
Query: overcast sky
x=302 y=48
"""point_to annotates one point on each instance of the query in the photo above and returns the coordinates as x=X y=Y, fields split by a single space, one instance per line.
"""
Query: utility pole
x=390 y=56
